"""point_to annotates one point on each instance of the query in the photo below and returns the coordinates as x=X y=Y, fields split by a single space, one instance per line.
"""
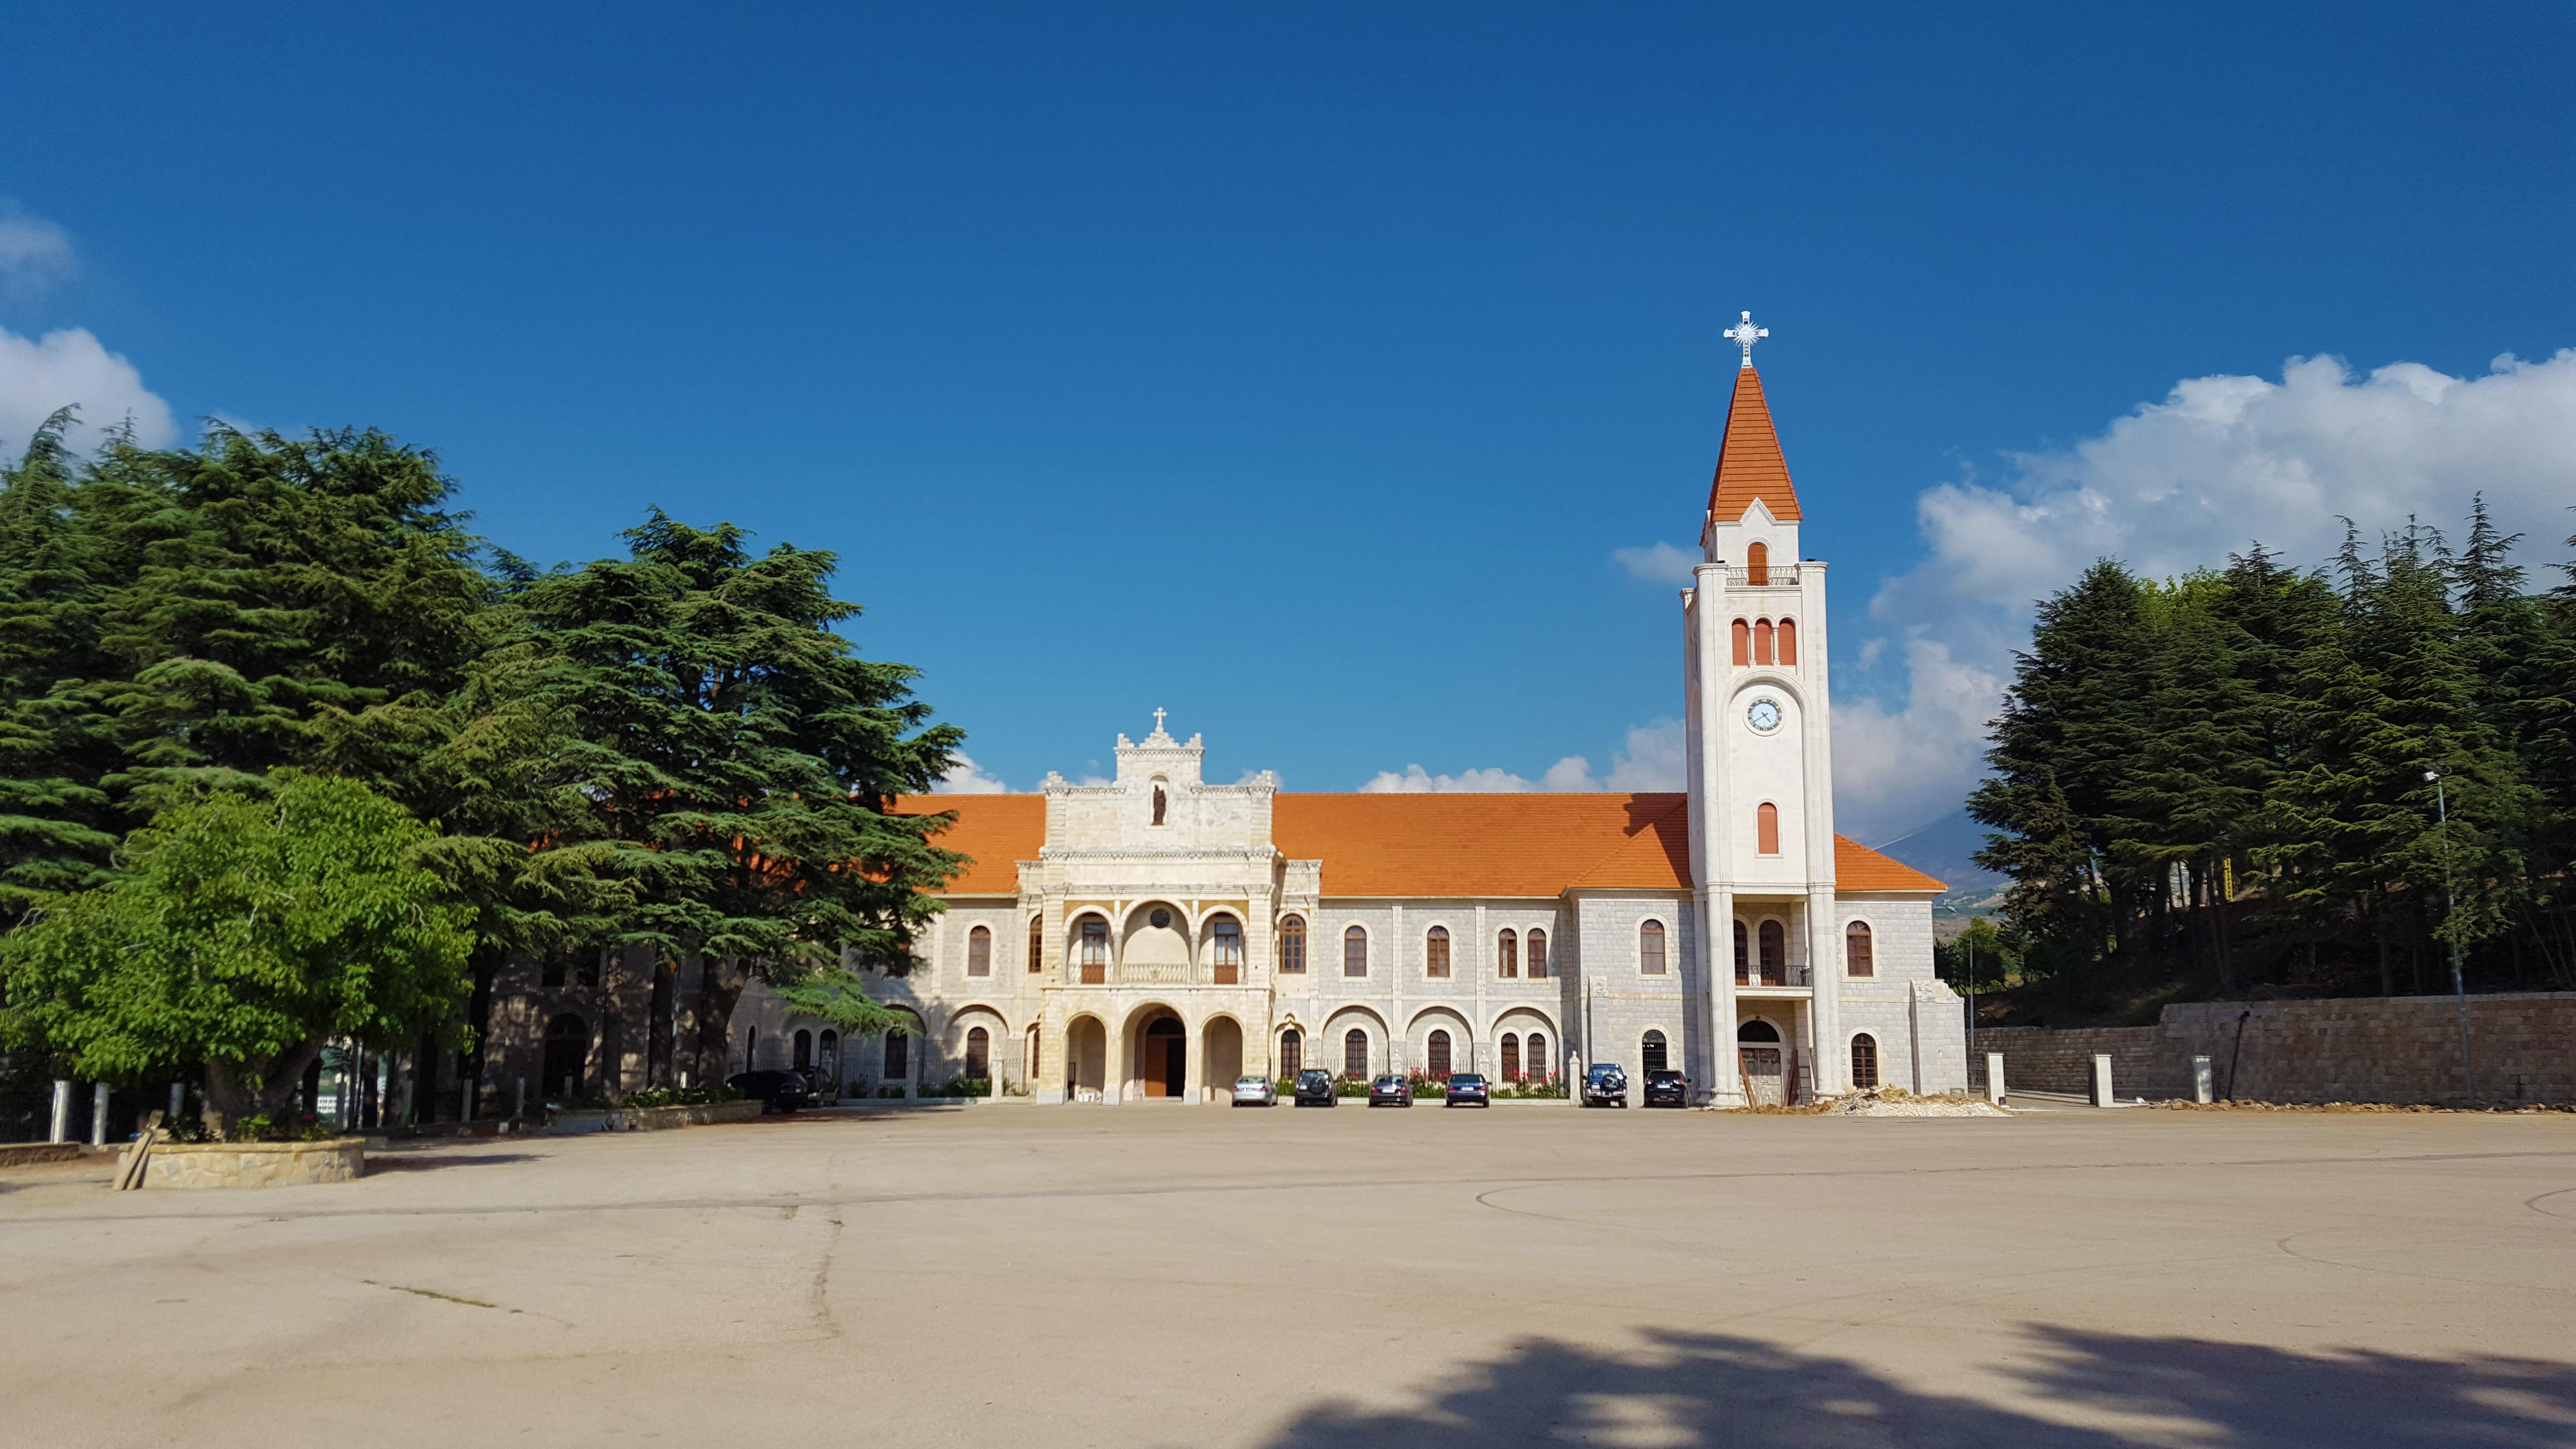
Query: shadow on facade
x=1701 y=1389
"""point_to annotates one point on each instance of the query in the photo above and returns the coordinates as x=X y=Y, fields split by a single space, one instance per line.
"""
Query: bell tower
x=1760 y=751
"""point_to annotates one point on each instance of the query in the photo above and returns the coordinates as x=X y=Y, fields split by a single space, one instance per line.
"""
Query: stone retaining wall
x=652 y=1119
x=22 y=1154
x=255 y=1164
x=2396 y=1049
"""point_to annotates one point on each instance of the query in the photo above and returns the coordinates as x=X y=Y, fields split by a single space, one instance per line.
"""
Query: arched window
x=1435 y=952
x=1651 y=1052
x=979 y=952
x=1788 y=641
x=1766 y=829
x=567 y=1057
x=1762 y=642
x=1507 y=954
x=1037 y=943
x=1438 y=1055
x=1095 y=950
x=1292 y=945
x=1743 y=643
x=1292 y=1052
x=1355 y=1053
x=1540 y=1066
x=1856 y=955
x=1538 y=955
x=1775 y=954
x=1742 y=955
x=1226 y=950
x=1757 y=1030
x=1650 y=948
x=979 y=1053
x=751 y=1050
x=1864 y=1061
x=804 y=1051
x=898 y=1055
x=1355 y=952
x=1757 y=565
x=1511 y=1057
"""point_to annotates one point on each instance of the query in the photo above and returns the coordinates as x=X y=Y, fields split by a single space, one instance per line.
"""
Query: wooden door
x=1763 y=1081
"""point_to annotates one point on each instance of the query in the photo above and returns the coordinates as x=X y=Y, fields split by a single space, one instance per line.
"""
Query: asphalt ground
x=1154 y=1275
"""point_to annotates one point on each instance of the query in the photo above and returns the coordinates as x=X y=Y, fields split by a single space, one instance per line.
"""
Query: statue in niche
x=1158 y=804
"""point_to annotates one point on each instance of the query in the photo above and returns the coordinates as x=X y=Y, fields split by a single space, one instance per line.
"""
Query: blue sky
x=1306 y=370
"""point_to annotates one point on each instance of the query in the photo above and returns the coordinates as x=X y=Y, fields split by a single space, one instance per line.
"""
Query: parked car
x=1390 y=1091
x=1605 y=1084
x=1667 y=1089
x=776 y=1091
x=1314 y=1088
x=1255 y=1092
x=1467 y=1089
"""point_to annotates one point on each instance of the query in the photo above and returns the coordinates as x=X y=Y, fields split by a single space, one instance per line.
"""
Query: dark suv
x=1314 y=1088
x=1605 y=1084
x=776 y=1091
x=1667 y=1089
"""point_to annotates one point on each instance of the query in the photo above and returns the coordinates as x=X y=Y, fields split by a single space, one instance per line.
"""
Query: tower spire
x=1749 y=463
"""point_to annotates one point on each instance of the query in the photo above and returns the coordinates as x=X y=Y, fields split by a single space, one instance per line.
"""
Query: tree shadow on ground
x=423 y=1162
x=2085 y=1391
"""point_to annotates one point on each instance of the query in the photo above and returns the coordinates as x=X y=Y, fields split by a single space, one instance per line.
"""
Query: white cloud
x=2180 y=484
x=1417 y=781
x=40 y=375
x=965 y=777
x=1650 y=760
x=35 y=254
x=1659 y=563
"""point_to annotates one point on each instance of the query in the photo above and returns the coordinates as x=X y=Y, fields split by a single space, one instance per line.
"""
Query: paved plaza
x=1153 y=1275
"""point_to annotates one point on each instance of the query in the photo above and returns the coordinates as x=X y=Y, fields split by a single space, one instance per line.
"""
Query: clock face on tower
x=1764 y=716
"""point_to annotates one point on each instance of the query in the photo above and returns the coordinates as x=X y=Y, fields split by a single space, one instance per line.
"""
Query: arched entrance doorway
x=567 y=1053
x=1222 y=1046
x=1086 y=1059
x=1757 y=1052
x=1165 y=1059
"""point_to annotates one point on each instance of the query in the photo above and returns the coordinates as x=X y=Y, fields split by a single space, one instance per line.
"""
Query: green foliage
x=680 y=1097
x=244 y=933
x=1978 y=956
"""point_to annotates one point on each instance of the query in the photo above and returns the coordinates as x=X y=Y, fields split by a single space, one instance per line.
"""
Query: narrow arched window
x=979 y=952
x=751 y=1050
x=1225 y=950
x=1762 y=641
x=1095 y=950
x=979 y=1053
x=1743 y=643
x=1788 y=641
x=1158 y=804
x=1037 y=943
x=1856 y=953
x=1292 y=945
x=1355 y=1053
x=1511 y=1057
x=1864 y=1061
x=1435 y=952
x=1540 y=1066
x=1652 y=1054
x=1437 y=1055
x=1292 y=1052
x=1775 y=954
x=898 y=1055
x=1507 y=954
x=802 y=1051
x=1742 y=954
x=1355 y=952
x=1650 y=948
x=1757 y=565
x=1538 y=955
x=1766 y=829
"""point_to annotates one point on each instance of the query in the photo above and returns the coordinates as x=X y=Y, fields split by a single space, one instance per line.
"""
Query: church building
x=1154 y=937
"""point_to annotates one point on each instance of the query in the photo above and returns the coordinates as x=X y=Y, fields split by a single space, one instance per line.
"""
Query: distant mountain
x=1947 y=848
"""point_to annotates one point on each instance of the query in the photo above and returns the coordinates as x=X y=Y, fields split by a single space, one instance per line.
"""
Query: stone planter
x=255 y=1164
x=651 y=1119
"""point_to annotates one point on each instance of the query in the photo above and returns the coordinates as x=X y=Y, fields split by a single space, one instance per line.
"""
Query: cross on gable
x=1744 y=333
x=1158 y=720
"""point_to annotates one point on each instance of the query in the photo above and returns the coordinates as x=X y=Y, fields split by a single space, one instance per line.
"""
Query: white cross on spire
x=1744 y=332
x=1158 y=720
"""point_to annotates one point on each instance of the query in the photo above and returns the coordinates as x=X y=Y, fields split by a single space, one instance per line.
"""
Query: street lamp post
x=2451 y=904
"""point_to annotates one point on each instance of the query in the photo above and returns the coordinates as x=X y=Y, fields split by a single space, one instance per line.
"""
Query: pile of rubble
x=1898 y=1102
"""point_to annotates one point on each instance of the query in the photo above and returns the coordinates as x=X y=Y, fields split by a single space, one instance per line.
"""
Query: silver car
x=1255 y=1092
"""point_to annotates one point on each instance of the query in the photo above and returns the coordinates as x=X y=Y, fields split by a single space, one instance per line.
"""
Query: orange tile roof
x=1428 y=845
x=1749 y=464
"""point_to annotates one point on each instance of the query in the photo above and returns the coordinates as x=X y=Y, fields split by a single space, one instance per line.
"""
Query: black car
x=776 y=1091
x=1605 y=1084
x=1314 y=1088
x=1467 y=1089
x=1667 y=1089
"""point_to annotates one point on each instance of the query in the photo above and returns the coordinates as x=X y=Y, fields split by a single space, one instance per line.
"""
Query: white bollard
x=178 y=1099
x=1995 y=1078
x=98 y=1115
x=2102 y=1081
x=62 y=1112
x=2200 y=1079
